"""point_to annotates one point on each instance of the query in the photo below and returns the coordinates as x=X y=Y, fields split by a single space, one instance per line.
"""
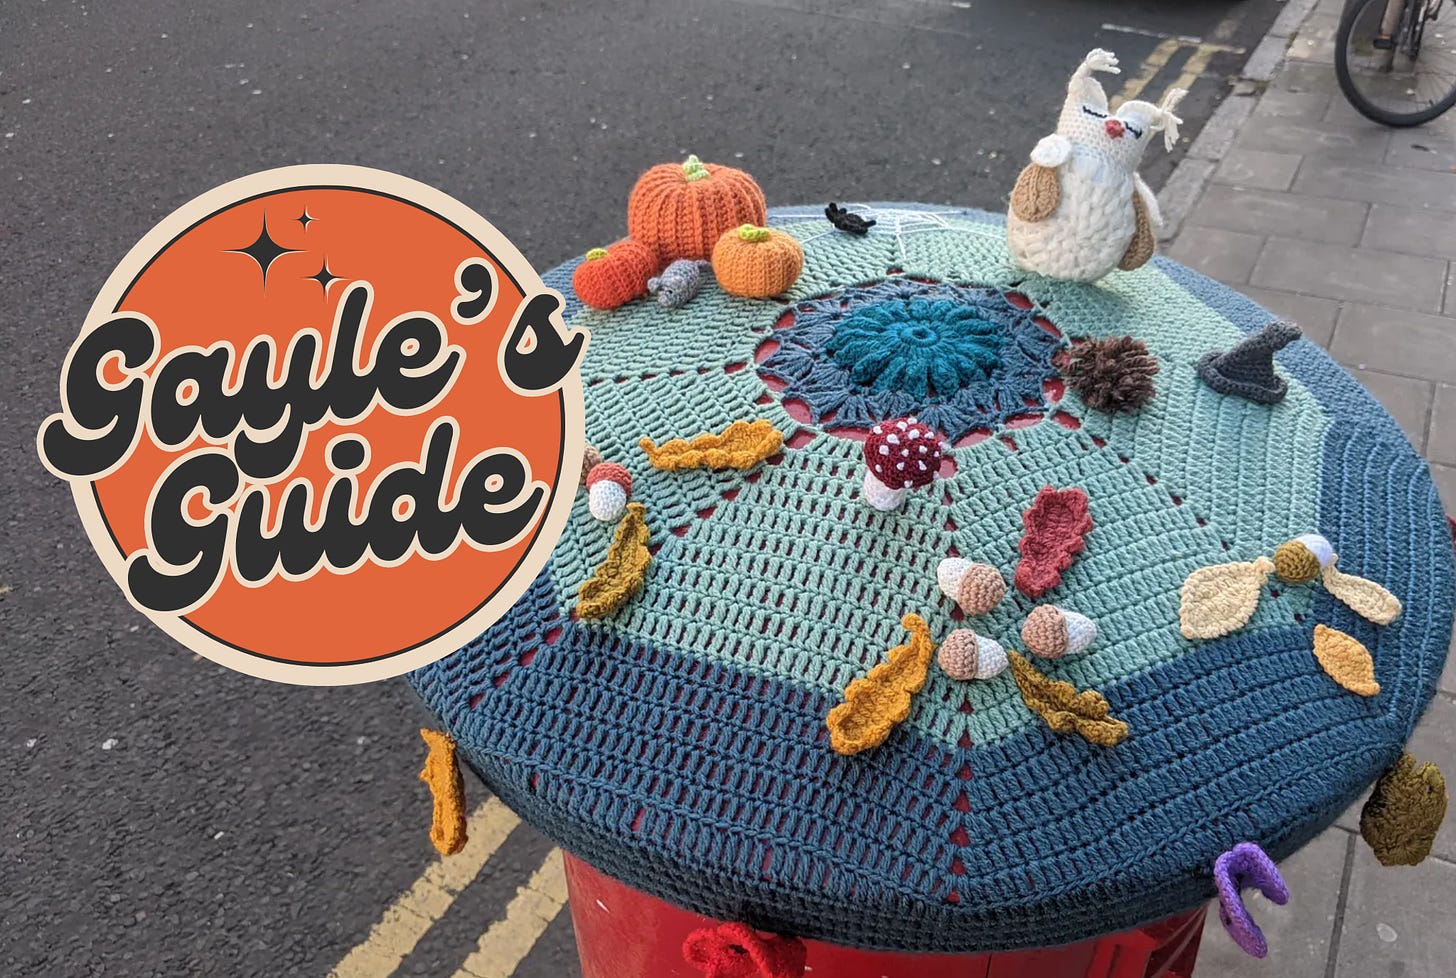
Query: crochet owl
x=1080 y=209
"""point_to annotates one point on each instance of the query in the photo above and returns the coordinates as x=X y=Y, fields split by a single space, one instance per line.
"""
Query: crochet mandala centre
x=961 y=358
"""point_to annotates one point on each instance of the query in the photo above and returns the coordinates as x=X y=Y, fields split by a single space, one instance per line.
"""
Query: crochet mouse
x=1080 y=209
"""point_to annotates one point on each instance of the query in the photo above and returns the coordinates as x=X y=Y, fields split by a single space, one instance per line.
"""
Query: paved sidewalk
x=1349 y=229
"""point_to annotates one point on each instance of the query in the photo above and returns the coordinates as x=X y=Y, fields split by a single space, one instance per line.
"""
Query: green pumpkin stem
x=693 y=169
x=748 y=232
x=596 y=253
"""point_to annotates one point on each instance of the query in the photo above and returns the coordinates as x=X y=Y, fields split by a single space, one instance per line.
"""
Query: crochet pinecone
x=1112 y=374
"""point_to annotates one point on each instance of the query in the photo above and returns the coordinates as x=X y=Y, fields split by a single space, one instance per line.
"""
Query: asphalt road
x=162 y=816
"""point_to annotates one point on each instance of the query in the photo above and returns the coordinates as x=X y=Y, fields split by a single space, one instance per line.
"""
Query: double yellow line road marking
x=1193 y=68
x=1155 y=62
x=504 y=944
x=510 y=939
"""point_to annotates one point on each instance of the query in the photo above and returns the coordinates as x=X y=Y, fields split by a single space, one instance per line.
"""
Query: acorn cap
x=1302 y=559
x=966 y=655
x=1053 y=632
x=981 y=589
x=610 y=472
x=1045 y=632
x=958 y=655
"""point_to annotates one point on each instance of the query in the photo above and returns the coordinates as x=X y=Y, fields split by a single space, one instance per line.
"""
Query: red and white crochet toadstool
x=900 y=455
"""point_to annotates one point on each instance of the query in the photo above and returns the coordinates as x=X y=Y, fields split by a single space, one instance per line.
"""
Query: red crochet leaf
x=1055 y=525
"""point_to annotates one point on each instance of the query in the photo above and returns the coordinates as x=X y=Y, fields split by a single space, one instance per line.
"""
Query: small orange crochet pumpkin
x=757 y=262
x=680 y=210
x=614 y=276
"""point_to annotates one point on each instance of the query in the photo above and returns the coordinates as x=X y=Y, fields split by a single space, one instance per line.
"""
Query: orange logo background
x=271 y=255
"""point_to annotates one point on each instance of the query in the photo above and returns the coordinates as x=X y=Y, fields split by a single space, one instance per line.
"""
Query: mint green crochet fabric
x=797 y=559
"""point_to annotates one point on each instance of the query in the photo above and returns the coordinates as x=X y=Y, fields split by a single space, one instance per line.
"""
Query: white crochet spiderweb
x=889 y=221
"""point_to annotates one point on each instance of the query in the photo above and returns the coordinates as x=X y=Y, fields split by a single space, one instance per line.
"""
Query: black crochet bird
x=846 y=220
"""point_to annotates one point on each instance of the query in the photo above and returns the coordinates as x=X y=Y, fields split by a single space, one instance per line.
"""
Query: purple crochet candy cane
x=1246 y=865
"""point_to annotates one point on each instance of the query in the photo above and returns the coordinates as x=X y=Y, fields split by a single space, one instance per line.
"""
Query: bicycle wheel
x=1408 y=81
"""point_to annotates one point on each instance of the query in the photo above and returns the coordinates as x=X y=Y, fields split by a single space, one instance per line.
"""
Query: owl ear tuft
x=1084 y=87
x=1166 y=120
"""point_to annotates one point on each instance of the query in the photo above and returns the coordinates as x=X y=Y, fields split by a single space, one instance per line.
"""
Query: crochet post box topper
x=1080 y=209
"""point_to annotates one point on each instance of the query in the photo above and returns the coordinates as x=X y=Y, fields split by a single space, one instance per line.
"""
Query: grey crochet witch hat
x=1247 y=370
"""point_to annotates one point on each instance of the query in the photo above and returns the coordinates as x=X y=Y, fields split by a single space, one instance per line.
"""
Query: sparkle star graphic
x=265 y=251
x=324 y=277
x=305 y=219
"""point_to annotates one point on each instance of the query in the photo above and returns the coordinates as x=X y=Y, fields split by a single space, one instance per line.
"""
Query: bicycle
x=1394 y=62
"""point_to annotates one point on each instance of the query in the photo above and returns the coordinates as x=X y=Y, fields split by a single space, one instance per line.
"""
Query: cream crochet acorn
x=1080 y=209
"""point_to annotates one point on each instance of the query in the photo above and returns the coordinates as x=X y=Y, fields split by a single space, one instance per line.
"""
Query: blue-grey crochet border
x=1241 y=740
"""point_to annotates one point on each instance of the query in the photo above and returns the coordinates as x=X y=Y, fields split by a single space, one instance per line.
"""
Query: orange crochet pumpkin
x=680 y=210
x=614 y=276
x=757 y=262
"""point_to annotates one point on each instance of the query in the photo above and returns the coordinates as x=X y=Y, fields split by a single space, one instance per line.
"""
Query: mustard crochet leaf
x=620 y=576
x=1064 y=709
x=742 y=445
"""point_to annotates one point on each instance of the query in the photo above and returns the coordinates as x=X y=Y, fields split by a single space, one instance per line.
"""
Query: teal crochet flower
x=918 y=346
x=962 y=359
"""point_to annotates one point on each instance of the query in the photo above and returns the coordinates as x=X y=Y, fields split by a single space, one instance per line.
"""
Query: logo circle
x=355 y=343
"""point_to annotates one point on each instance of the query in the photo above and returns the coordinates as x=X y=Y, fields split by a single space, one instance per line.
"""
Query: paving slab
x=1445 y=478
x=1228 y=256
x=1287 y=215
x=1396 y=341
x=1441 y=441
x=1314 y=139
x=1397 y=920
x=1422 y=231
x=1298 y=106
x=1316 y=41
x=1298 y=76
x=1299 y=932
x=1376 y=183
x=1314 y=316
x=1422 y=150
x=1257 y=169
x=1358 y=274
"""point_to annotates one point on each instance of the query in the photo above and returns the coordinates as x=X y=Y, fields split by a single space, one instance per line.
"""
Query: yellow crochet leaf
x=742 y=445
x=1346 y=660
x=1404 y=812
x=875 y=704
x=1220 y=599
x=1063 y=708
x=447 y=788
x=1366 y=598
x=620 y=576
